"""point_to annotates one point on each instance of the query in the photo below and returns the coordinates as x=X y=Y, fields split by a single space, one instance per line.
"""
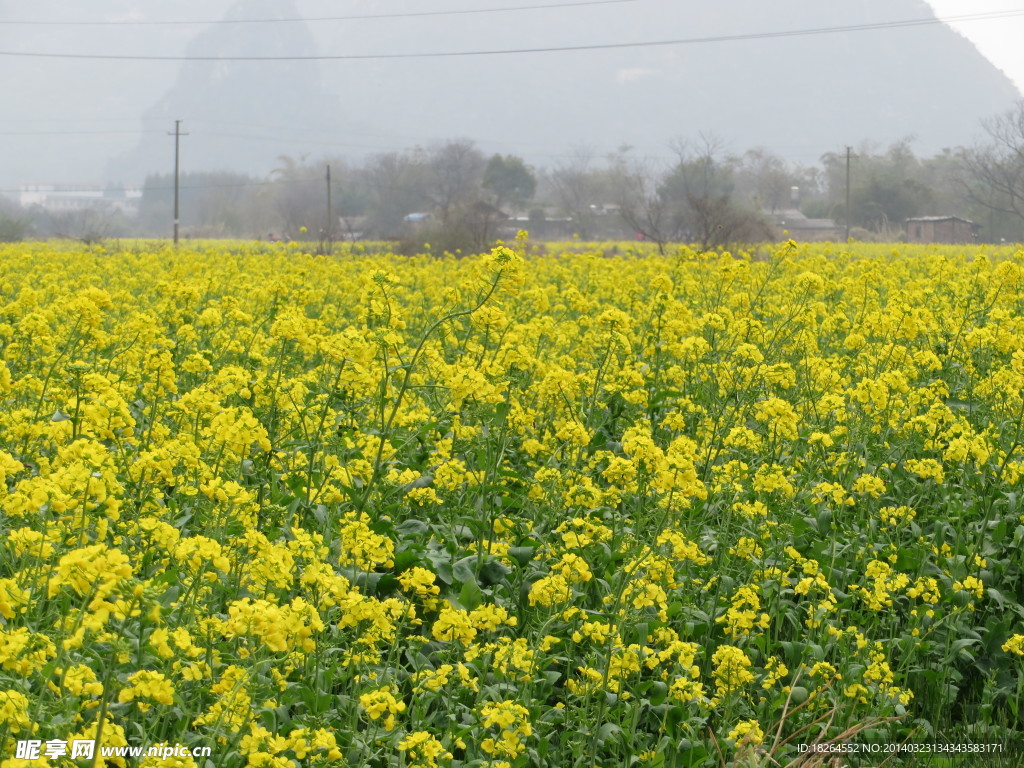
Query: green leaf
x=413 y=528
x=442 y=565
x=696 y=755
x=909 y=560
x=470 y=596
x=522 y=555
x=609 y=732
x=406 y=559
x=386 y=585
x=657 y=693
x=463 y=570
x=824 y=521
x=673 y=718
x=493 y=572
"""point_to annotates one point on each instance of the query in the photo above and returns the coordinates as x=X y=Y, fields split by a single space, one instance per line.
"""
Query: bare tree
x=576 y=187
x=705 y=182
x=692 y=201
x=643 y=204
x=90 y=225
x=997 y=168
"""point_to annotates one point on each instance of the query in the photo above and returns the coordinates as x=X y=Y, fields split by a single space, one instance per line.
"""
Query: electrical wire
x=408 y=15
x=73 y=188
x=548 y=49
x=72 y=133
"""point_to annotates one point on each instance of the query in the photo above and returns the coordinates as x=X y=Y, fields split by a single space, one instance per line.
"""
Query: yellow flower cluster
x=536 y=506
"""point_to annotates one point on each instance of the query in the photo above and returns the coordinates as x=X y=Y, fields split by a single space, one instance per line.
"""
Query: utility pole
x=847 y=217
x=177 y=154
x=329 y=230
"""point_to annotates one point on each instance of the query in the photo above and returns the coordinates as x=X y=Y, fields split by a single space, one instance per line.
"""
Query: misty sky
x=69 y=120
x=999 y=39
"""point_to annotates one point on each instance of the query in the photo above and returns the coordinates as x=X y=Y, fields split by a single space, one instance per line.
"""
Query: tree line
x=454 y=196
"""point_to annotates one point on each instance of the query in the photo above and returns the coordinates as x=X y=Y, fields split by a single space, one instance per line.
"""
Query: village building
x=942 y=229
x=793 y=225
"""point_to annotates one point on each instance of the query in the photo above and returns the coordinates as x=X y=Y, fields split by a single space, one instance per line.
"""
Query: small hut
x=942 y=229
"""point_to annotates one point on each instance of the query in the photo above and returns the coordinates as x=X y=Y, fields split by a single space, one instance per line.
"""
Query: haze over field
x=70 y=120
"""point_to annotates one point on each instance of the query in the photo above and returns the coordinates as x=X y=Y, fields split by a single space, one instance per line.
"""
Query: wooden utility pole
x=177 y=165
x=848 y=212
x=329 y=230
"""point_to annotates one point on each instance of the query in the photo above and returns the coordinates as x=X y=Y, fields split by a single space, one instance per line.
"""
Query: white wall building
x=80 y=197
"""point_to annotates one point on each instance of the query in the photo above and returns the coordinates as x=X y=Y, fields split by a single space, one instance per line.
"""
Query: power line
x=157 y=188
x=308 y=141
x=65 y=120
x=245 y=137
x=518 y=145
x=390 y=147
x=531 y=149
x=278 y=139
x=410 y=14
x=72 y=133
x=286 y=139
x=549 y=49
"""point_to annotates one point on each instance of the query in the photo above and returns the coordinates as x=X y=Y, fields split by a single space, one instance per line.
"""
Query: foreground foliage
x=567 y=510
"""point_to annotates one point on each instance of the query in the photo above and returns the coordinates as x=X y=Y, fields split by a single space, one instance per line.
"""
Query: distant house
x=63 y=198
x=941 y=229
x=792 y=224
x=351 y=227
x=542 y=226
x=417 y=222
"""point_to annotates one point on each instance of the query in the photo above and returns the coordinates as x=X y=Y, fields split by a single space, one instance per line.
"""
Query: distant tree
x=811 y=194
x=579 y=189
x=395 y=186
x=350 y=195
x=997 y=168
x=90 y=225
x=887 y=187
x=15 y=224
x=299 y=192
x=763 y=180
x=893 y=190
x=217 y=204
x=644 y=204
x=691 y=201
x=509 y=181
x=455 y=172
x=477 y=227
x=464 y=218
x=445 y=182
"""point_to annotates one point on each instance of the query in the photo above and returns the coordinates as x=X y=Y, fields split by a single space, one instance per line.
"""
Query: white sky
x=1000 y=40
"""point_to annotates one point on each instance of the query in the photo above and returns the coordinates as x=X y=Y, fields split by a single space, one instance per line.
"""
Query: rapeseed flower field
x=592 y=507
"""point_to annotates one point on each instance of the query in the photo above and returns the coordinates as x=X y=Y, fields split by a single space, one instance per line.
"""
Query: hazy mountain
x=225 y=104
x=798 y=96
